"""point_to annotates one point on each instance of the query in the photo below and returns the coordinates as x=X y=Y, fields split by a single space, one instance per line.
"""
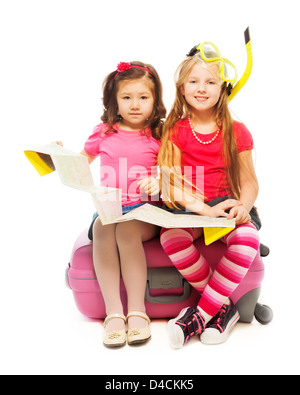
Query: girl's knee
x=128 y=233
x=181 y=237
x=97 y=228
x=245 y=234
x=100 y=232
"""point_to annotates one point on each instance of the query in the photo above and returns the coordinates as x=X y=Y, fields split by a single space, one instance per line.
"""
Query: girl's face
x=135 y=103
x=202 y=88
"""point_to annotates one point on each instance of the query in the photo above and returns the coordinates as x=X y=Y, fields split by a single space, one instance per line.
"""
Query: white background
x=54 y=57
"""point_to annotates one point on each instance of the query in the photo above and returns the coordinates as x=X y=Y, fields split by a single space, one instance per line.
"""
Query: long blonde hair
x=181 y=109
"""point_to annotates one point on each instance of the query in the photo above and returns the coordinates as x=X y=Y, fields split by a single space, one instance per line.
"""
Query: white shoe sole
x=175 y=333
x=213 y=336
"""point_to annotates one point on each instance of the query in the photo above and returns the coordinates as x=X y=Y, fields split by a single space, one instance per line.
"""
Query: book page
x=108 y=203
x=74 y=171
x=157 y=216
x=73 y=168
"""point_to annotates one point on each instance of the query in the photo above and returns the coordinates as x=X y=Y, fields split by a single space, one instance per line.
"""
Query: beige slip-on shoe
x=138 y=335
x=114 y=338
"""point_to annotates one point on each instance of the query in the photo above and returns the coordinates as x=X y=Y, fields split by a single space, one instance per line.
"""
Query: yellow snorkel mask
x=210 y=53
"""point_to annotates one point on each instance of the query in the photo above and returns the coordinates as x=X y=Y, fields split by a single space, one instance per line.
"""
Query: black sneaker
x=188 y=323
x=218 y=329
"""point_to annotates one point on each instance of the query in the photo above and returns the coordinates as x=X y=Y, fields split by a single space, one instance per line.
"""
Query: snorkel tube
x=239 y=85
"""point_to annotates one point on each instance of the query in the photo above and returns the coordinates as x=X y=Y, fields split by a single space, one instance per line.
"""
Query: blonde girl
x=201 y=136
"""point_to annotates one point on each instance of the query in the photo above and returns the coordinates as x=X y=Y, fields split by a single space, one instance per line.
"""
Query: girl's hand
x=149 y=185
x=240 y=214
x=219 y=210
x=59 y=143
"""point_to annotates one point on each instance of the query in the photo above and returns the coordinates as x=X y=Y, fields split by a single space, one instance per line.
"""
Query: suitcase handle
x=166 y=278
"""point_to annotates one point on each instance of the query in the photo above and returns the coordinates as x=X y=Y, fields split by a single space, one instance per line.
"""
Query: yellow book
x=212 y=234
x=42 y=163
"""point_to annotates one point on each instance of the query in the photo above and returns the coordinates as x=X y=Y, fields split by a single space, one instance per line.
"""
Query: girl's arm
x=90 y=158
x=193 y=203
x=248 y=180
x=248 y=189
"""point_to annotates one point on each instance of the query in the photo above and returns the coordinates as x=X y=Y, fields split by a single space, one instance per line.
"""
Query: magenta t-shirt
x=203 y=164
x=125 y=158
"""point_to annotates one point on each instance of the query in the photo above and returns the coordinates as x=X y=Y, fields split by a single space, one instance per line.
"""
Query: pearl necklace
x=197 y=138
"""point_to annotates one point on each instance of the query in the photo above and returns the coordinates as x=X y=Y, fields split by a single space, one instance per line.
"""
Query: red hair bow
x=123 y=66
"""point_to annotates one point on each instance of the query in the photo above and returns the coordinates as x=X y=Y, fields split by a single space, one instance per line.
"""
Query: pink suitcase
x=167 y=291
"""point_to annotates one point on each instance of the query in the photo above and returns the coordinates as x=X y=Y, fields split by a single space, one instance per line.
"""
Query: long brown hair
x=181 y=109
x=110 y=89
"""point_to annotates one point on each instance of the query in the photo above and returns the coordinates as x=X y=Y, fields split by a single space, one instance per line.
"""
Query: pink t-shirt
x=125 y=158
x=204 y=164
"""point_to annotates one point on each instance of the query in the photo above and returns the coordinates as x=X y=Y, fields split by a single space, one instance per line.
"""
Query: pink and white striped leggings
x=215 y=288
